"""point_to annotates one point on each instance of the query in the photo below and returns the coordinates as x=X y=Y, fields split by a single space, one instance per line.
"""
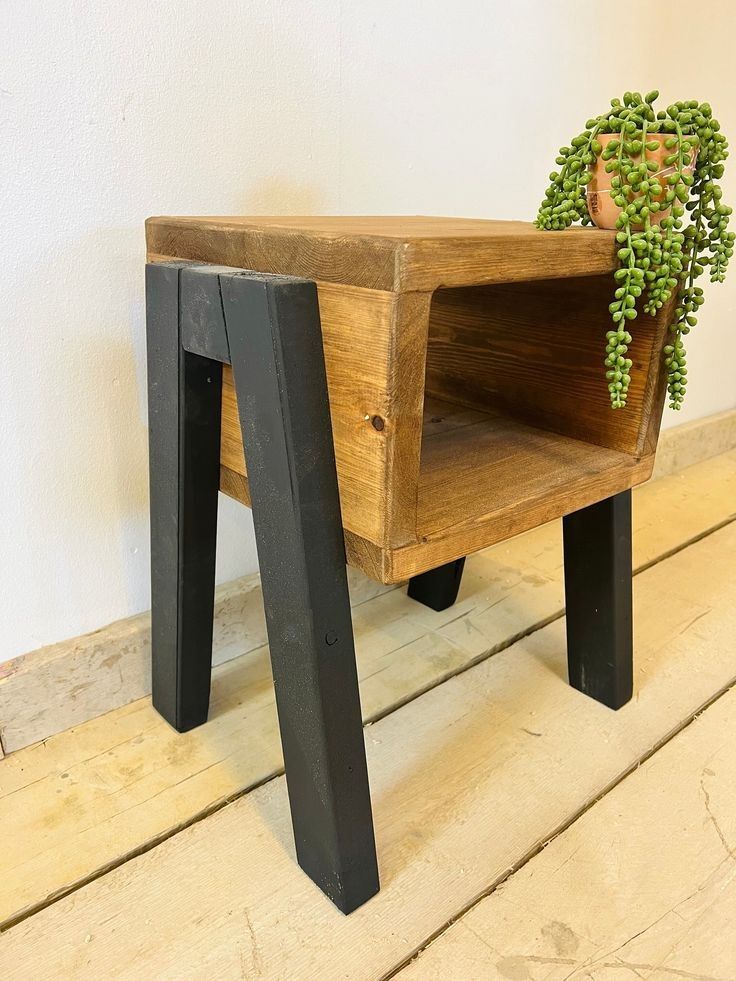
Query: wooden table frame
x=267 y=327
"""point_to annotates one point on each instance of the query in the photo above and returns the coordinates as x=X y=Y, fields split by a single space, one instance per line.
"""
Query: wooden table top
x=400 y=253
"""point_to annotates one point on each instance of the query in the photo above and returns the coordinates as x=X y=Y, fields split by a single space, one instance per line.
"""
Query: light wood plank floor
x=130 y=851
x=643 y=884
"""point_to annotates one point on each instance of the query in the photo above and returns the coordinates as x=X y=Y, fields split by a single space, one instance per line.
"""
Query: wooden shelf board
x=479 y=466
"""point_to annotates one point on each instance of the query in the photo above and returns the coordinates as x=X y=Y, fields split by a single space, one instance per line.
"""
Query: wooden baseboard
x=683 y=446
x=57 y=687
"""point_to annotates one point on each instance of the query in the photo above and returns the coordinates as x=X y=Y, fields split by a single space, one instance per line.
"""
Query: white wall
x=110 y=113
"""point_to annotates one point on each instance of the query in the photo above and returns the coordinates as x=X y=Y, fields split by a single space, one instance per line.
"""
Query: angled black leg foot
x=597 y=542
x=439 y=587
x=275 y=346
x=184 y=392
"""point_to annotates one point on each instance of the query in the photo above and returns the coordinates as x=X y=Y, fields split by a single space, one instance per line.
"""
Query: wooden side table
x=401 y=392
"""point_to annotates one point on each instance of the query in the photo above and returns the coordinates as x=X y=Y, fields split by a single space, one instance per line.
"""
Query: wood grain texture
x=409 y=253
x=480 y=483
x=494 y=477
x=643 y=885
x=361 y=554
x=358 y=332
x=496 y=465
x=406 y=412
x=497 y=747
x=105 y=788
x=536 y=351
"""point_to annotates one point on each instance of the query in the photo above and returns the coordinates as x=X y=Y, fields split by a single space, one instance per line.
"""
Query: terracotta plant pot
x=601 y=207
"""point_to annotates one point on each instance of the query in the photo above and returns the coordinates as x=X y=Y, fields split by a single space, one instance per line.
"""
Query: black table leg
x=268 y=328
x=184 y=393
x=275 y=344
x=439 y=587
x=597 y=543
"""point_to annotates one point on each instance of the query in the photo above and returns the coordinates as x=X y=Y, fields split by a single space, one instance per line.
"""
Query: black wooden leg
x=184 y=392
x=597 y=542
x=439 y=587
x=275 y=345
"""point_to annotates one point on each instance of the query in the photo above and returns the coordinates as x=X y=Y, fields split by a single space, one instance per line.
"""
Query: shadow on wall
x=277 y=196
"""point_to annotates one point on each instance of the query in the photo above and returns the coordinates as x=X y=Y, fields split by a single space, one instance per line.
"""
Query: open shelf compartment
x=477 y=466
x=517 y=423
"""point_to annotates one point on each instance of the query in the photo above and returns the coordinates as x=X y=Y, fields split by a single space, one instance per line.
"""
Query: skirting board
x=684 y=446
x=60 y=686
x=57 y=687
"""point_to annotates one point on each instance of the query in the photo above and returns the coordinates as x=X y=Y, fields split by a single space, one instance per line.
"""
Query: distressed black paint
x=439 y=587
x=268 y=327
x=597 y=543
x=184 y=398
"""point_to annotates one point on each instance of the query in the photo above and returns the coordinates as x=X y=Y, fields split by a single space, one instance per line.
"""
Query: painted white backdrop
x=113 y=112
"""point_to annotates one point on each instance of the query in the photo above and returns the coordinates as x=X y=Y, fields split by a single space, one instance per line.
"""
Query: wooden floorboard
x=468 y=780
x=642 y=885
x=84 y=800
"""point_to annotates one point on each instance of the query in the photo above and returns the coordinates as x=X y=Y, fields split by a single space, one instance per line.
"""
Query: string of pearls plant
x=658 y=255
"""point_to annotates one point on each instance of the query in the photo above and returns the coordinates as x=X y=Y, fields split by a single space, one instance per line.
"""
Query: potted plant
x=638 y=171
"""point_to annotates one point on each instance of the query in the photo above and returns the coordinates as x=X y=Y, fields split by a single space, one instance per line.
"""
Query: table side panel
x=357 y=327
x=407 y=365
x=373 y=560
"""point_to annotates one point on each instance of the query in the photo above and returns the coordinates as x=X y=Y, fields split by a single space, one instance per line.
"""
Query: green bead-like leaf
x=658 y=261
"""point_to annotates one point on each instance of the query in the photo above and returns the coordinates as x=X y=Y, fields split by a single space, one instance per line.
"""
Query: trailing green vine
x=657 y=258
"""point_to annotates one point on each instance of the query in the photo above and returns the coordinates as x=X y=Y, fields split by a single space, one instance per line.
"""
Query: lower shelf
x=486 y=476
